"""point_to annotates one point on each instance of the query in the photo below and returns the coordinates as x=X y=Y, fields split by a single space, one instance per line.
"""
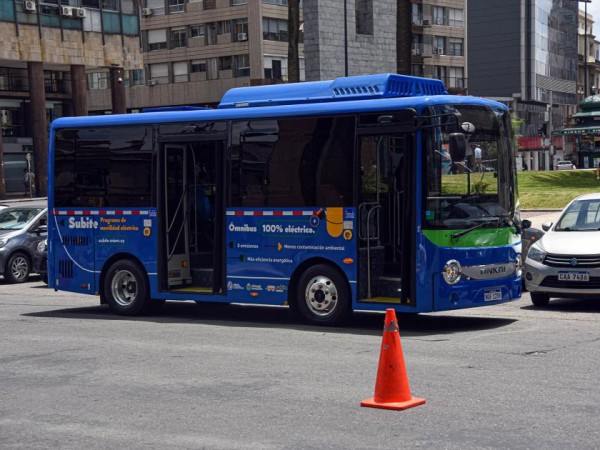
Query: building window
x=364 y=17
x=111 y=5
x=198 y=66
x=240 y=27
x=456 y=18
x=180 y=72
x=438 y=15
x=157 y=7
x=95 y=4
x=97 y=80
x=456 y=77
x=197 y=30
x=238 y=2
x=439 y=45
x=275 y=29
x=224 y=27
x=455 y=47
x=134 y=77
x=176 y=6
x=225 y=63
x=417 y=14
x=276 y=2
x=159 y=73
x=178 y=38
x=157 y=39
x=241 y=66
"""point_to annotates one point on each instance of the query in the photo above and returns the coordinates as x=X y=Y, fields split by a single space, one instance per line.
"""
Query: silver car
x=21 y=228
x=565 y=262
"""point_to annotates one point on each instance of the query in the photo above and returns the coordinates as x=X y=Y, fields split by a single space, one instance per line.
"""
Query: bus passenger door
x=384 y=206
x=192 y=210
x=176 y=215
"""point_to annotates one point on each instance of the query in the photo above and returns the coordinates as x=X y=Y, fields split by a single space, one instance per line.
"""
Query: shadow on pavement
x=237 y=315
x=569 y=305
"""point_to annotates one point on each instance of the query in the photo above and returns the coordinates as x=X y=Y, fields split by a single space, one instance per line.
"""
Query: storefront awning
x=579 y=130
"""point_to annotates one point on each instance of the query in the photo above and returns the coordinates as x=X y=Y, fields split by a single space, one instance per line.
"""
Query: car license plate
x=490 y=296
x=573 y=276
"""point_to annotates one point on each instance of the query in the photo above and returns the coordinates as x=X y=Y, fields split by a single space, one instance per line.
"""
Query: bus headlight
x=518 y=266
x=452 y=272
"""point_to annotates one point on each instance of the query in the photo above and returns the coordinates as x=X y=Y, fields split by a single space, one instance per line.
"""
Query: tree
x=293 y=38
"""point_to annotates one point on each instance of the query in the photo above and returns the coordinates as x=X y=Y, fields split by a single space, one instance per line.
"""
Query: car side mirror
x=41 y=229
x=546 y=226
x=525 y=224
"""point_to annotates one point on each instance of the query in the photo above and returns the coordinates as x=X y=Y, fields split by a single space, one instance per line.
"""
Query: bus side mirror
x=457 y=146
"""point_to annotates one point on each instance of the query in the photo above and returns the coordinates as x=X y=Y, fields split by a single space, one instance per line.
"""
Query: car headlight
x=536 y=253
x=3 y=242
x=42 y=246
x=518 y=266
x=452 y=272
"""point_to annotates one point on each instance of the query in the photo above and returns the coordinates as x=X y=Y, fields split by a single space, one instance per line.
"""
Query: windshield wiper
x=458 y=234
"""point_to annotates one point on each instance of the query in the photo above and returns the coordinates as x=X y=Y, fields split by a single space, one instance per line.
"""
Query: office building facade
x=48 y=46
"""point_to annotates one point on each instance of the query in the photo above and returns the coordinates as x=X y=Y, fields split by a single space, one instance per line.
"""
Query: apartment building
x=47 y=48
x=195 y=50
x=437 y=41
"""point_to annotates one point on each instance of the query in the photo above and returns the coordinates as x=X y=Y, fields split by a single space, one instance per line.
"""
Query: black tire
x=323 y=296
x=44 y=277
x=126 y=288
x=540 y=298
x=17 y=269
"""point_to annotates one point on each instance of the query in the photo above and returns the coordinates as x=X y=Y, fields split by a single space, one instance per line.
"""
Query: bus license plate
x=573 y=276
x=490 y=296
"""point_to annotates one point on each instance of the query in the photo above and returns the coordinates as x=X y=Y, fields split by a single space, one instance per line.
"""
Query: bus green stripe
x=476 y=238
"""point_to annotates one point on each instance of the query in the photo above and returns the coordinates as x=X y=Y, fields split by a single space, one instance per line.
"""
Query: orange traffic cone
x=391 y=388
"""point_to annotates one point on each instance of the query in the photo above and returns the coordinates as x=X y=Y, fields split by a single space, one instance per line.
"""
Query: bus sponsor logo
x=82 y=222
x=232 y=286
x=253 y=287
x=488 y=271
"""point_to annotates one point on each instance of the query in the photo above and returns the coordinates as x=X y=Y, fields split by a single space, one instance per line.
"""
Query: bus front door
x=384 y=217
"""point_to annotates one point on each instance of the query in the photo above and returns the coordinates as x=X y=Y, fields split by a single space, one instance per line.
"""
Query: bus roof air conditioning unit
x=80 y=13
x=242 y=36
x=66 y=11
x=146 y=12
x=30 y=6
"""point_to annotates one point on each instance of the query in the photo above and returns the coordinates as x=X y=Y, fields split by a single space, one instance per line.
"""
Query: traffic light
x=543 y=130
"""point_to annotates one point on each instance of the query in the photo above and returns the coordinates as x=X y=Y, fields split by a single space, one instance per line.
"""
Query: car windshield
x=17 y=218
x=581 y=215
x=479 y=190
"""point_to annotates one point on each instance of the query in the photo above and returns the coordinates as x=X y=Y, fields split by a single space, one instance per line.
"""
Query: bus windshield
x=477 y=189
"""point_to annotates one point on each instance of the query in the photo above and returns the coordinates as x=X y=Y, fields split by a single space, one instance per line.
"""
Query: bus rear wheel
x=323 y=297
x=126 y=288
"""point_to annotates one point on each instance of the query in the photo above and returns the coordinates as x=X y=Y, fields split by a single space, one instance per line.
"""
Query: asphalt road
x=73 y=375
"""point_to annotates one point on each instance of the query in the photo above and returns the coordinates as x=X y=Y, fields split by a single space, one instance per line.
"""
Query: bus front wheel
x=126 y=288
x=323 y=297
